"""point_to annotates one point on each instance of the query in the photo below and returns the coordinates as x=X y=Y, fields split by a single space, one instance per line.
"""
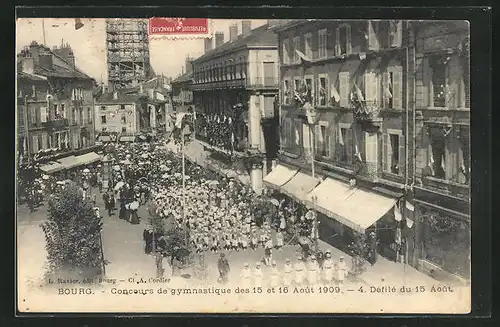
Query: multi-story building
x=442 y=143
x=127 y=46
x=55 y=101
x=182 y=94
x=352 y=104
x=117 y=116
x=234 y=89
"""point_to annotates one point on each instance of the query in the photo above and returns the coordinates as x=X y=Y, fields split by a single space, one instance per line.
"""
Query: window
x=371 y=153
x=124 y=119
x=344 y=144
x=44 y=141
x=322 y=40
x=392 y=87
x=296 y=84
x=63 y=111
x=286 y=92
x=437 y=152
x=343 y=40
x=44 y=114
x=322 y=94
x=33 y=115
x=308 y=45
x=103 y=119
x=395 y=33
x=82 y=116
x=103 y=107
x=89 y=115
x=394 y=152
x=438 y=79
x=286 y=52
x=309 y=89
x=296 y=46
x=344 y=89
x=463 y=139
x=122 y=107
x=322 y=140
x=124 y=129
x=74 y=117
x=34 y=143
x=291 y=137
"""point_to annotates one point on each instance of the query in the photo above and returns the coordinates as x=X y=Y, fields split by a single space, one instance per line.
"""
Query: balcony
x=367 y=111
x=56 y=124
x=270 y=83
x=262 y=83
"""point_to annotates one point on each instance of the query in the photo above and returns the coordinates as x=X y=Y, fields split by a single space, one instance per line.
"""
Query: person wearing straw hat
x=341 y=270
x=312 y=271
x=258 y=275
x=328 y=268
x=275 y=275
x=246 y=276
x=287 y=273
x=299 y=271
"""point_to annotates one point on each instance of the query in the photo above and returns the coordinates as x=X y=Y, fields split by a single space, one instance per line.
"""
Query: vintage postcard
x=169 y=165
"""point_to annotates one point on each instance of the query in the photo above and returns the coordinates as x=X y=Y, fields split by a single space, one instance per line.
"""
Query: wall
x=113 y=113
x=256 y=59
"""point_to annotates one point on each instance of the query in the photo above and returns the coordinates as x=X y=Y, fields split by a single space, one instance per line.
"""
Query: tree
x=73 y=236
x=358 y=250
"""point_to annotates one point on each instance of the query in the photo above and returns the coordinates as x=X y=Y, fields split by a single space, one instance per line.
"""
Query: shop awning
x=51 y=167
x=279 y=176
x=88 y=158
x=356 y=208
x=69 y=162
x=105 y=138
x=299 y=186
x=127 y=139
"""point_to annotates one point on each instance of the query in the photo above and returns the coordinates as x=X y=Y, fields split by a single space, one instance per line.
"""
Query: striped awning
x=69 y=162
x=88 y=158
x=52 y=167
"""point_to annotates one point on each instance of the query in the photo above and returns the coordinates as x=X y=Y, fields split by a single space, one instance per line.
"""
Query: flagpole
x=43 y=31
x=183 y=177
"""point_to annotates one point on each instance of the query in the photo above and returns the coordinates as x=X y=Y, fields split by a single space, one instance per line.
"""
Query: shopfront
x=444 y=242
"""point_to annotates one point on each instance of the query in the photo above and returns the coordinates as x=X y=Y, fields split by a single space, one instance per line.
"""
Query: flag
x=73 y=94
x=341 y=138
x=359 y=93
x=431 y=165
x=387 y=89
x=335 y=93
x=303 y=57
x=443 y=165
x=409 y=206
x=357 y=154
x=297 y=97
x=297 y=136
x=179 y=119
x=397 y=213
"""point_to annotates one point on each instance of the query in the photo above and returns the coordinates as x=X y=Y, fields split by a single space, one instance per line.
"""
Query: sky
x=167 y=56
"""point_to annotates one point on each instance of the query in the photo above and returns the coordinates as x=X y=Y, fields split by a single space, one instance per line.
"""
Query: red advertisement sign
x=169 y=26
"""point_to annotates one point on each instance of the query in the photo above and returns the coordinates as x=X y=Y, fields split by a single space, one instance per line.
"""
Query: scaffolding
x=128 y=52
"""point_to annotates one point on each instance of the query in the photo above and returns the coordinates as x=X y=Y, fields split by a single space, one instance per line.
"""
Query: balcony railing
x=251 y=83
x=366 y=110
x=59 y=123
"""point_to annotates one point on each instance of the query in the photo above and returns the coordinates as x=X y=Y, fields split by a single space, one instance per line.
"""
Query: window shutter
x=402 y=154
x=318 y=138
x=385 y=89
x=396 y=33
x=372 y=37
x=387 y=151
x=348 y=38
x=369 y=88
x=337 y=42
x=349 y=144
x=45 y=143
x=455 y=95
x=427 y=75
x=43 y=114
x=397 y=88
x=344 y=89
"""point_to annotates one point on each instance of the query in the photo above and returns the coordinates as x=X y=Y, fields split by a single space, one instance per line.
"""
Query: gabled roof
x=261 y=35
x=32 y=77
x=122 y=98
x=58 y=71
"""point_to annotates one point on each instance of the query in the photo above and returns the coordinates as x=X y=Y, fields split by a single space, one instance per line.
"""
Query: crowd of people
x=220 y=214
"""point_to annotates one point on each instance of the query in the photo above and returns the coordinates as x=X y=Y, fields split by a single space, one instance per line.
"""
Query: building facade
x=117 y=116
x=55 y=101
x=353 y=105
x=127 y=47
x=234 y=89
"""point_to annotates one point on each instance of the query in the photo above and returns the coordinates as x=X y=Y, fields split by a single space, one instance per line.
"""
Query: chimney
x=35 y=51
x=28 y=65
x=115 y=95
x=233 y=32
x=219 y=39
x=189 y=65
x=208 y=44
x=246 y=27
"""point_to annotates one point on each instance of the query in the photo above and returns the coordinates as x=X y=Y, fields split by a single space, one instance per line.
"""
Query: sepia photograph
x=179 y=165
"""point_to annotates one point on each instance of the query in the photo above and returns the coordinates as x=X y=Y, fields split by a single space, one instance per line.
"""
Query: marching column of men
x=301 y=273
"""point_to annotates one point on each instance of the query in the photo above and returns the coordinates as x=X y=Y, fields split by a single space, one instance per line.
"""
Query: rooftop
x=183 y=78
x=260 y=36
x=121 y=98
